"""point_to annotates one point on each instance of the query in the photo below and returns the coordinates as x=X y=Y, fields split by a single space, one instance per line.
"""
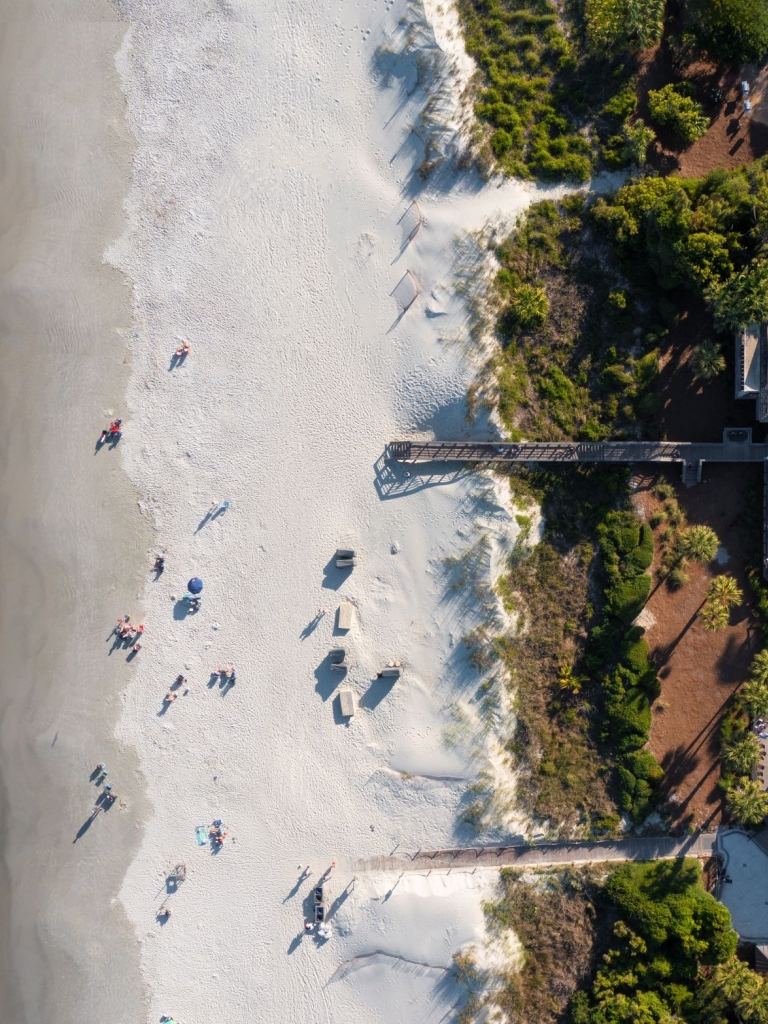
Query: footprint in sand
x=366 y=243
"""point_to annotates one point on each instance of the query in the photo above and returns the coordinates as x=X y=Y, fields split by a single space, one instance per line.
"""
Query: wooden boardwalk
x=575 y=451
x=546 y=854
x=736 y=446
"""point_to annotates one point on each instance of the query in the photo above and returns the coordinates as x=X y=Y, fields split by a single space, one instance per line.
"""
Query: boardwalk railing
x=574 y=451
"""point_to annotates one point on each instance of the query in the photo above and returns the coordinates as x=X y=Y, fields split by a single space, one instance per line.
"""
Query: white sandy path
x=263 y=227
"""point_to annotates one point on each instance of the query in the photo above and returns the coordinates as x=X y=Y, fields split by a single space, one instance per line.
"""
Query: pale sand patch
x=646 y=619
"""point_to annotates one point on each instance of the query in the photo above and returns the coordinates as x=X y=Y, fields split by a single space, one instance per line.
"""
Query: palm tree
x=734 y=979
x=700 y=544
x=714 y=617
x=759 y=669
x=707 y=360
x=568 y=681
x=724 y=591
x=742 y=756
x=748 y=803
x=754 y=697
x=753 y=1004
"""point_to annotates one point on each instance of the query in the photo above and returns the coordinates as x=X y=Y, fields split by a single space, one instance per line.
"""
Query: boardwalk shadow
x=398 y=480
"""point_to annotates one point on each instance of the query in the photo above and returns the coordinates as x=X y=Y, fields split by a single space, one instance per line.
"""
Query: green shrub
x=735 y=30
x=529 y=306
x=627 y=599
x=634 y=655
x=674 y=106
x=614 y=24
x=501 y=141
x=644 y=765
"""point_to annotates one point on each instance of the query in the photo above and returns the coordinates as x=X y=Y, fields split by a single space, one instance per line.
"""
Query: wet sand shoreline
x=73 y=544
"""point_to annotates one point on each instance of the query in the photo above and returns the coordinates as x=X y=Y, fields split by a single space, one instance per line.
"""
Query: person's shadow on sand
x=181 y=610
x=298 y=884
x=86 y=824
x=311 y=626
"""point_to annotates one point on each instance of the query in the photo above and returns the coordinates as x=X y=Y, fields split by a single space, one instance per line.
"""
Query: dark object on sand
x=345 y=558
x=318 y=894
x=338 y=658
x=195 y=585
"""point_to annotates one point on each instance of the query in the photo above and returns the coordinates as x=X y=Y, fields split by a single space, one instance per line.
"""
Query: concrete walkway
x=543 y=854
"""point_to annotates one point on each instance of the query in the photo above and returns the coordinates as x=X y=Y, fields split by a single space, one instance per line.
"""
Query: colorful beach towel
x=202 y=835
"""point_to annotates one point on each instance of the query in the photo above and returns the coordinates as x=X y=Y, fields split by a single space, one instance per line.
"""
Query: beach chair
x=345 y=558
x=347 y=703
x=338 y=658
x=346 y=615
x=318 y=894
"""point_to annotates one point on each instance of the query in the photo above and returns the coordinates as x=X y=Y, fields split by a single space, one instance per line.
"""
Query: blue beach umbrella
x=195 y=585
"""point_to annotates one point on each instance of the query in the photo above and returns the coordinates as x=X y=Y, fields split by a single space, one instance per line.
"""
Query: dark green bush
x=674 y=105
x=734 y=30
x=626 y=599
x=668 y=928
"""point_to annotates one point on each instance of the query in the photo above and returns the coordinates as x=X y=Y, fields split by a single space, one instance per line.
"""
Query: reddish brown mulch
x=694 y=409
x=699 y=671
x=733 y=138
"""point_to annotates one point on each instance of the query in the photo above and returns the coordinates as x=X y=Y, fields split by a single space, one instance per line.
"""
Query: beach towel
x=202 y=835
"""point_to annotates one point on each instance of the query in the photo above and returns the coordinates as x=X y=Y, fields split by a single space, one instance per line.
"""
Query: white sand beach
x=274 y=165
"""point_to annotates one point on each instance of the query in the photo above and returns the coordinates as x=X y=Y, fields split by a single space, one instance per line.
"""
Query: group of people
x=218 y=832
x=183 y=350
x=127 y=632
x=113 y=432
x=227 y=673
x=172 y=694
x=100 y=773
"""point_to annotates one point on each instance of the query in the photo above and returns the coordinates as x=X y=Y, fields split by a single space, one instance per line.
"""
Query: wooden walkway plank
x=547 y=854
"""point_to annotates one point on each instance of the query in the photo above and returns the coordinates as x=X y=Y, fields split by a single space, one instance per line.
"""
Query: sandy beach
x=274 y=167
x=72 y=538
x=241 y=177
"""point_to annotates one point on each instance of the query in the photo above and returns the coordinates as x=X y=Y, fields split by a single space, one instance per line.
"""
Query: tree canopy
x=669 y=928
